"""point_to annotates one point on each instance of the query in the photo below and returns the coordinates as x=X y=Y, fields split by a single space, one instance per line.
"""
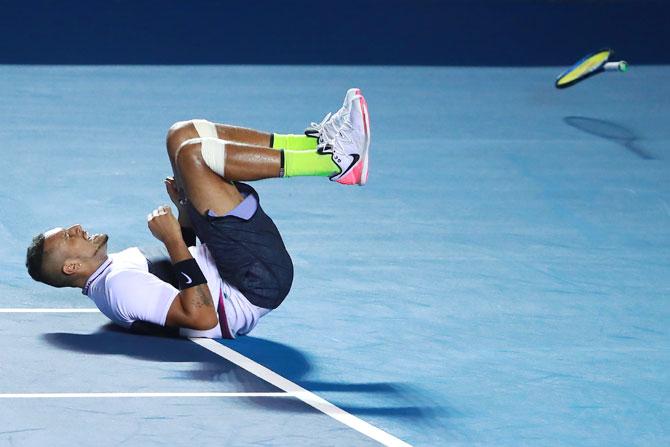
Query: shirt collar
x=95 y=275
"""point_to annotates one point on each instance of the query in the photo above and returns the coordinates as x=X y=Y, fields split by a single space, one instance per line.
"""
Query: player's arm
x=193 y=307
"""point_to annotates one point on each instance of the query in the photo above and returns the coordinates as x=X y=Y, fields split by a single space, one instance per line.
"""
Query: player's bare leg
x=240 y=162
x=183 y=131
x=204 y=189
x=186 y=130
x=200 y=151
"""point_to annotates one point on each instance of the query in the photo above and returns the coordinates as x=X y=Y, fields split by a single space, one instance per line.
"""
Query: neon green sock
x=294 y=142
x=308 y=163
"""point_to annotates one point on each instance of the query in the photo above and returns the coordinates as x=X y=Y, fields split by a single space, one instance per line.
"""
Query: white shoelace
x=319 y=126
x=330 y=126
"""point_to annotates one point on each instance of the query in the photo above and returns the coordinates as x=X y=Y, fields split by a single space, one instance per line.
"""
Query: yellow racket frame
x=584 y=68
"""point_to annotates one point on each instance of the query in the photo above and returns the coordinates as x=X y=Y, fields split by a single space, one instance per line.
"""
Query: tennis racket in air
x=589 y=66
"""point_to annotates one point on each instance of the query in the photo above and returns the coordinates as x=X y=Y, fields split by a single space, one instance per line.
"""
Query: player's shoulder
x=131 y=257
x=124 y=278
x=127 y=262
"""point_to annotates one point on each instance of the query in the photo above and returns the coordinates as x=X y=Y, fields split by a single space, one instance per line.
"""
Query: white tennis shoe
x=349 y=141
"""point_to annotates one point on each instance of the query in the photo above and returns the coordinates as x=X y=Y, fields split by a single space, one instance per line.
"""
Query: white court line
x=143 y=395
x=308 y=397
x=28 y=310
x=290 y=388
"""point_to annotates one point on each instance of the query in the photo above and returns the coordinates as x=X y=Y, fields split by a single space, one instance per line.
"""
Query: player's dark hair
x=34 y=257
x=34 y=261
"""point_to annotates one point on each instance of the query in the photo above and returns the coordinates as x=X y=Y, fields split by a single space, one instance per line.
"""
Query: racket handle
x=616 y=66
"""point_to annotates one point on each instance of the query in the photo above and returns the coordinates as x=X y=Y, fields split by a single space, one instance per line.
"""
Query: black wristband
x=189 y=274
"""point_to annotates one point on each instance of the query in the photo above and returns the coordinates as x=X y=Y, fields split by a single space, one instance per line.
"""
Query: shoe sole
x=366 y=124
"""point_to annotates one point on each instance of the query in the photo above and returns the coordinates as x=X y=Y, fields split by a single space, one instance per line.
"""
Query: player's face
x=75 y=242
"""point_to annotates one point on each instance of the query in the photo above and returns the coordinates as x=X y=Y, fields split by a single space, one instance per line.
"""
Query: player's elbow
x=204 y=320
x=210 y=322
x=188 y=312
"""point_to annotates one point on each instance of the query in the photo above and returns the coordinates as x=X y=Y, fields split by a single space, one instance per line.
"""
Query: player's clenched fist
x=163 y=225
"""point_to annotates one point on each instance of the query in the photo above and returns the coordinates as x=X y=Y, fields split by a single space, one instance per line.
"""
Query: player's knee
x=188 y=155
x=201 y=152
x=183 y=131
x=177 y=134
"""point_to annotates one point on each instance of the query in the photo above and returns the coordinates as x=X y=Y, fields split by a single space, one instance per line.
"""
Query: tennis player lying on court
x=241 y=270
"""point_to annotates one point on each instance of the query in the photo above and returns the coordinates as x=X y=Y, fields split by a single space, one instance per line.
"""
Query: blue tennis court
x=502 y=279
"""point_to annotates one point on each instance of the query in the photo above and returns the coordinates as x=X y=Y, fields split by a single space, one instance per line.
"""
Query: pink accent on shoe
x=366 y=118
x=364 y=177
x=354 y=176
x=364 y=112
x=358 y=175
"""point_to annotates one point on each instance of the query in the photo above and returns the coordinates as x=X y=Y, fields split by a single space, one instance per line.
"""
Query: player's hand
x=176 y=196
x=163 y=225
x=173 y=192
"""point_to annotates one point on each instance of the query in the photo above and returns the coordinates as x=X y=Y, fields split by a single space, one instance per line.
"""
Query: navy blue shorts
x=249 y=253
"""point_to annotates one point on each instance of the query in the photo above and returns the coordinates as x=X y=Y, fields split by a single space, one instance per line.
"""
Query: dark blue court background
x=377 y=32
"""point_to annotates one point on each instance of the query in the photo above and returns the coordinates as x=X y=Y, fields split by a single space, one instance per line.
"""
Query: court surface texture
x=503 y=279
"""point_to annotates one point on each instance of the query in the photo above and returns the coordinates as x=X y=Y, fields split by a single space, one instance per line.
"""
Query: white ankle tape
x=205 y=129
x=213 y=152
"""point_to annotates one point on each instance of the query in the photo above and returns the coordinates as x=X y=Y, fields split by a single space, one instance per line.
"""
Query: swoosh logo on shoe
x=356 y=158
x=188 y=279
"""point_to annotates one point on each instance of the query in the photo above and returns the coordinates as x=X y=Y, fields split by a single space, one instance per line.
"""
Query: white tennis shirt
x=125 y=292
